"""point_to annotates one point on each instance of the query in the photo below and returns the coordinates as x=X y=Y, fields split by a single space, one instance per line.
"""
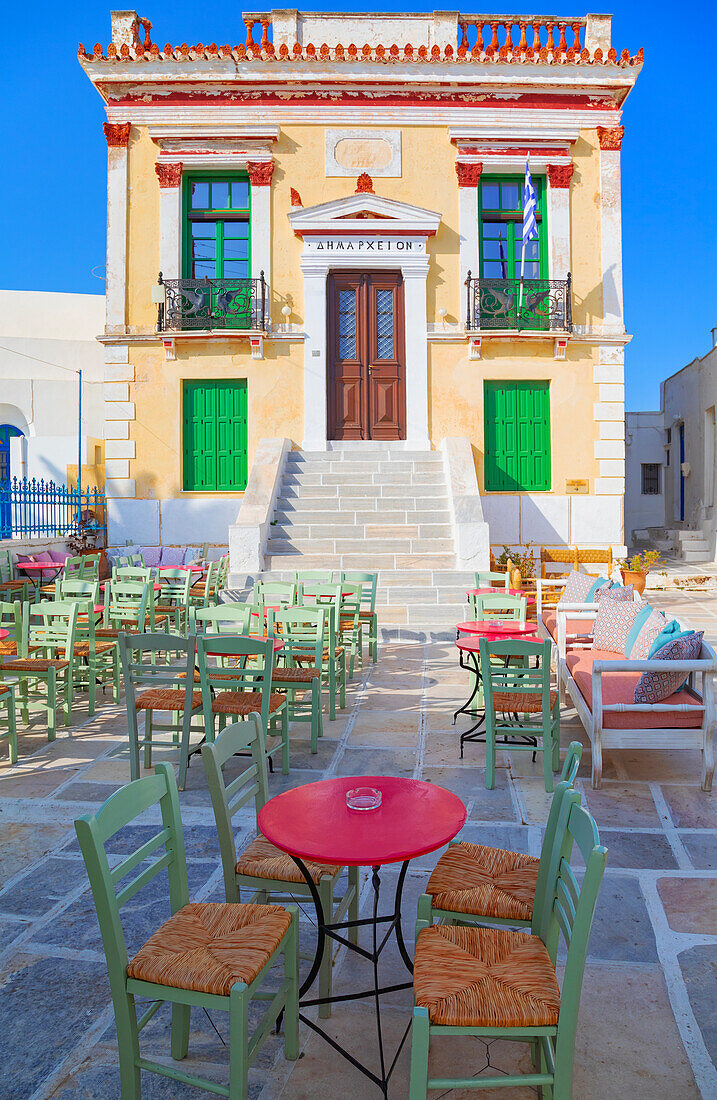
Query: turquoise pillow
x=637 y=625
x=600 y=582
x=667 y=634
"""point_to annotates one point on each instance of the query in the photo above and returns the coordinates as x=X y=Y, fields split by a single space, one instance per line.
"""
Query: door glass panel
x=347 y=324
x=220 y=195
x=240 y=194
x=200 y=196
x=384 y=324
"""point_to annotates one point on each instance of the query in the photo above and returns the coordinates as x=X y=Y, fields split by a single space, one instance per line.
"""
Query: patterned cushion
x=613 y=623
x=653 y=687
x=580 y=587
x=172 y=557
x=647 y=626
x=621 y=592
x=669 y=632
x=150 y=554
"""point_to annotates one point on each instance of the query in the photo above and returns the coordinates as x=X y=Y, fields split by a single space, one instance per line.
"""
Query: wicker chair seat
x=209 y=946
x=35 y=664
x=169 y=608
x=262 y=859
x=366 y=614
x=82 y=649
x=166 y=699
x=295 y=675
x=244 y=702
x=13 y=586
x=8 y=647
x=487 y=882
x=485 y=977
x=521 y=702
x=337 y=652
x=5 y=689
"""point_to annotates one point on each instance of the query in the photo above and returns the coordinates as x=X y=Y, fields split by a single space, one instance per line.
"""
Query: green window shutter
x=215 y=436
x=517 y=436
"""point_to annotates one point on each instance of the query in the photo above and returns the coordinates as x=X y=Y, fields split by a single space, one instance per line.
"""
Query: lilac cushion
x=613 y=623
x=653 y=687
x=44 y=555
x=151 y=555
x=21 y=558
x=172 y=557
x=60 y=555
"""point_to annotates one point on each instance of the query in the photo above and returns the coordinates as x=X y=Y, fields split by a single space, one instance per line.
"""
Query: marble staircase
x=373 y=507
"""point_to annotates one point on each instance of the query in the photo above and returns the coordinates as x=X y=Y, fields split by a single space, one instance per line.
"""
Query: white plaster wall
x=597 y=521
x=192 y=520
x=503 y=515
x=644 y=442
x=132 y=520
x=545 y=520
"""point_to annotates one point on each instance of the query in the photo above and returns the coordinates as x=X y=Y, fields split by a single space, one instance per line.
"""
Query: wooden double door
x=366 y=373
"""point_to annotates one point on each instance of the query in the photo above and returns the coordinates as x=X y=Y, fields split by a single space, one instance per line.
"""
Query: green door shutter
x=517 y=436
x=215 y=436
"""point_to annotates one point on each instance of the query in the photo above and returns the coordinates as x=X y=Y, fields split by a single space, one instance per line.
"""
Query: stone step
x=696 y=555
x=357 y=544
x=363 y=489
x=339 y=517
x=335 y=504
x=297 y=561
x=452 y=583
x=363 y=453
x=396 y=465
x=369 y=477
x=339 y=532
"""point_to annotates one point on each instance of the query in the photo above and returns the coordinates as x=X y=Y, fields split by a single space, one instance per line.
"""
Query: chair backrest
x=165 y=849
x=557 y=555
x=73 y=567
x=227 y=618
x=90 y=567
x=209 y=582
x=131 y=573
x=242 y=664
x=50 y=627
x=175 y=585
x=222 y=572
x=595 y=557
x=571 y=762
x=177 y=673
x=83 y=590
x=11 y=620
x=301 y=629
x=127 y=602
x=327 y=596
x=567 y=781
x=495 y=605
x=6 y=568
x=492 y=579
x=567 y=909
x=229 y=798
x=315 y=576
x=499 y=677
x=280 y=593
x=368 y=582
x=136 y=559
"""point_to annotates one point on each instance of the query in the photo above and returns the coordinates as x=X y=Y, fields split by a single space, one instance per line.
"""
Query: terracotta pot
x=637 y=580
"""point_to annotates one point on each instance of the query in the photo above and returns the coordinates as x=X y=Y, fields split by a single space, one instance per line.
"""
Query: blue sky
x=52 y=201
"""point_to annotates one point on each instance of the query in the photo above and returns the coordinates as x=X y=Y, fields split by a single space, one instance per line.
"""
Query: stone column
x=468 y=183
x=170 y=218
x=260 y=173
x=611 y=228
x=116 y=285
x=414 y=290
x=315 y=364
x=559 y=176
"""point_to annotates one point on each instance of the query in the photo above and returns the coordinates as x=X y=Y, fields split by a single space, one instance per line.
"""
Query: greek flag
x=530 y=226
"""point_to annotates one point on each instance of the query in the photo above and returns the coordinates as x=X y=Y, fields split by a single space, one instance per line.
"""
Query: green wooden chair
x=368 y=619
x=497 y=606
x=275 y=593
x=227 y=618
x=209 y=955
x=300 y=664
x=79 y=589
x=524 y=697
x=489 y=579
x=9 y=732
x=204 y=592
x=129 y=609
x=496 y=983
x=261 y=868
x=11 y=620
x=350 y=634
x=151 y=687
x=475 y=883
x=12 y=587
x=140 y=573
x=222 y=575
x=308 y=577
x=90 y=566
x=173 y=598
x=45 y=662
x=239 y=684
x=328 y=597
x=97 y=661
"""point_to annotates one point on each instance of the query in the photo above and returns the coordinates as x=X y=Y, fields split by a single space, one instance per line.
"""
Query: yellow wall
x=275 y=384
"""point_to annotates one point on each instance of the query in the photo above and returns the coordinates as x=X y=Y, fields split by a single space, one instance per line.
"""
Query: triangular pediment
x=363 y=210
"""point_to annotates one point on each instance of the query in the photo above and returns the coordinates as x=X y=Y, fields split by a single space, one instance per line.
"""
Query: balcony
x=190 y=305
x=544 y=305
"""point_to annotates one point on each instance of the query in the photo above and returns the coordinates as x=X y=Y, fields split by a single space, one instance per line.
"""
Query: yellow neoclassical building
x=315 y=249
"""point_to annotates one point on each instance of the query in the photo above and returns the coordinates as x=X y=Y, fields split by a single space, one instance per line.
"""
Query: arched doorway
x=7 y=432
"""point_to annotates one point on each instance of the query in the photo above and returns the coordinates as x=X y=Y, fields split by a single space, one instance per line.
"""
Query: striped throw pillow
x=653 y=687
x=647 y=626
x=583 y=588
x=613 y=623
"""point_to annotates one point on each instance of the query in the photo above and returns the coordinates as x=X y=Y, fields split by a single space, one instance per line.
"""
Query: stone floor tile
x=35 y=784
x=370 y=761
x=638 y=850
x=690 y=904
x=691 y=808
x=617 y=804
x=680 y=766
x=621 y=931
x=699 y=969
x=79 y=791
x=513 y=838
x=373 y=722
x=702 y=850
x=22 y=843
x=36 y=892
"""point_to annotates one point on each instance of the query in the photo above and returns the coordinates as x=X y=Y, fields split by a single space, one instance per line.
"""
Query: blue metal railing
x=36 y=508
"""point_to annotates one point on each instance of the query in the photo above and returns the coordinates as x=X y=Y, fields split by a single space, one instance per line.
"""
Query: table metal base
x=475 y=733
x=334 y=932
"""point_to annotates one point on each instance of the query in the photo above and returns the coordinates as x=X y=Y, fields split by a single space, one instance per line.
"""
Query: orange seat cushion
x=486 y=882
x=209 y=946
x=485 y=977
x=34 y=664
x=244 y=702
x=521 y=702
x=295 y=675
x=262 y=859
x=619 y=687
x=166 y=699
x=572 y=626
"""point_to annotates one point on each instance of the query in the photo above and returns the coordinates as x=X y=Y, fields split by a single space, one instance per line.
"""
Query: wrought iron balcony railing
x=190 y=304
x=541 y=305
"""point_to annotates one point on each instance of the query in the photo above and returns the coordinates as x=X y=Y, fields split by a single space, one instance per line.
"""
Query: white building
x=45 y=340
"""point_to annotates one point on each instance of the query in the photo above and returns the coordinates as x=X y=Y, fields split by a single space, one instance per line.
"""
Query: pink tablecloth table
x=313 y=823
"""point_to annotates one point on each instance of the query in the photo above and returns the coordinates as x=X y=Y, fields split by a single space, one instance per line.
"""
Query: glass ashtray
x=363 y=798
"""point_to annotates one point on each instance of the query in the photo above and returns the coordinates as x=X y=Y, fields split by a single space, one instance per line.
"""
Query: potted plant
x=634 y=570
x=521 y=566
x=87 y=539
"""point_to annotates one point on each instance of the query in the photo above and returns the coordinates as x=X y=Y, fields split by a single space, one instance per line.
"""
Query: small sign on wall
x=577 y=485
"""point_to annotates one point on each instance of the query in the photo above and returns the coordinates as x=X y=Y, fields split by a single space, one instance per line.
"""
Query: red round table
x=313 y=822
x=3 y=633
x=495 y=630
x=40 y=567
